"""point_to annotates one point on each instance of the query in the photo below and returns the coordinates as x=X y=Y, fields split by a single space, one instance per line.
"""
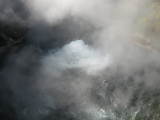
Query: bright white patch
x=77 y=54
x=96 y=113
x=99 y=113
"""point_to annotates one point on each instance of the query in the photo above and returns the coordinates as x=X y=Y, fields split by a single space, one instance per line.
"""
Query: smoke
x=81 y=54
x=13 y=11
x=78 y=55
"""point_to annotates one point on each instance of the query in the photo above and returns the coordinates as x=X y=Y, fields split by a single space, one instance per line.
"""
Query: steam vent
x=79 y=60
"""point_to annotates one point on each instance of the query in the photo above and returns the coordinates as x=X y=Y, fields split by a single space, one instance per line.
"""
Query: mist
x=79 y=60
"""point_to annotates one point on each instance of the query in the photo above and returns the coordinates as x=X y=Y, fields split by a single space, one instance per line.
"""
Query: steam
x=14 y=11
x=78 y=55
x=92 y=76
